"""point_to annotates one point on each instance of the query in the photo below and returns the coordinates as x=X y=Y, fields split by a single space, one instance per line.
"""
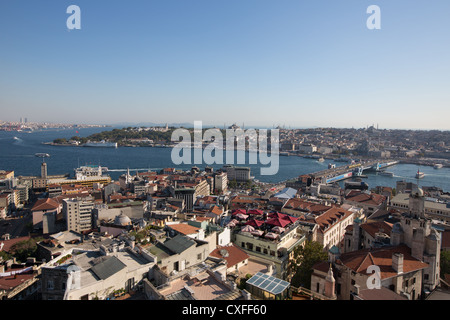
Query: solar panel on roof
x=271 y=286
x=258 y=281
x=265 y=284
x=278 y=289
x=268 y=283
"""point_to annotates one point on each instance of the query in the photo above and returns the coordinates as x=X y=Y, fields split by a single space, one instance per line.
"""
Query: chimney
x=397 y=262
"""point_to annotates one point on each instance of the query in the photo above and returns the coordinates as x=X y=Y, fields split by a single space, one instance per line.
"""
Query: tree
x=445 y=263
x=24 y=249
x=305 y=257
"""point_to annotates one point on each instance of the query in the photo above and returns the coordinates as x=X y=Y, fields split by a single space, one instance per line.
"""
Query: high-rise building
x=44 y=170
x=78 y=214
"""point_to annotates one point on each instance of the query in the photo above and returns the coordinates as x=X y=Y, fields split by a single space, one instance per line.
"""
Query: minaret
x=44 y=170
x=128 y=179
x=330 y=284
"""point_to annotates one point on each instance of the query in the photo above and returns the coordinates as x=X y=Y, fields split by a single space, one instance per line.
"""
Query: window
x=50 y=285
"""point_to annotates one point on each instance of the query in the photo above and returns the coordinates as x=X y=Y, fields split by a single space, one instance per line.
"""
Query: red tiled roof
x=302 y=205
x=216 y=210
x=184 y=228
x=7 y=244
x=360 y=260
x=331 y=216
x=45 y=204
x=235 y=255
x=378 y=226
x=8 y=283
x=362 y=197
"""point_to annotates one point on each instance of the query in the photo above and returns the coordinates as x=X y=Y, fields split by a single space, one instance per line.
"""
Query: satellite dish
x=224 y=253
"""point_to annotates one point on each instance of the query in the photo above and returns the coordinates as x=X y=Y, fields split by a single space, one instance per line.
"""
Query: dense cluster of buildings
x=27 y=126
x=367 y=142
x=183 y=235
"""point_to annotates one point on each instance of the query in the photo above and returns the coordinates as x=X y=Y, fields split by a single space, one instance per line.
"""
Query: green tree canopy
x=445 y=263
x=24 y=249
x=305 y=257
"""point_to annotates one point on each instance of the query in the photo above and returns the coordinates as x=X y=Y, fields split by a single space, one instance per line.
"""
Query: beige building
x=240 y=174
x=434 y=209
x=221 y=182
x=332 y=224
x=408 y=262
x=78 y=214
x=399 y=271
x=275 y=252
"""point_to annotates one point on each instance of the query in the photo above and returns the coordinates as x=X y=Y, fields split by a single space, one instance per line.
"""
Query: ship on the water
x=42 y=155
x=420 y=175
x=100 y=144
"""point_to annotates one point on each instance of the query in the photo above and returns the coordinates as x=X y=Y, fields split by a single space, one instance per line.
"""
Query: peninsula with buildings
x=422 y=147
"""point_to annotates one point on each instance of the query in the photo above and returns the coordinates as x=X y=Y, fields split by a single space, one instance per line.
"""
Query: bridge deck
x=365 y=165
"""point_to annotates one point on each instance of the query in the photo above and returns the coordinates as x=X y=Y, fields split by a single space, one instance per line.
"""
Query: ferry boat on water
x=42 y=155
x=438 y=166
x=101 y=144
x=386 y=173
x=420 y=175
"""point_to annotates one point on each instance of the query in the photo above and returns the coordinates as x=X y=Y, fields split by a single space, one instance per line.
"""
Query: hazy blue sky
x=289 y=62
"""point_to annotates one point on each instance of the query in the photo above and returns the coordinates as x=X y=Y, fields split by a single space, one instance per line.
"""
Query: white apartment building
x=221 y=182
x=78 y=214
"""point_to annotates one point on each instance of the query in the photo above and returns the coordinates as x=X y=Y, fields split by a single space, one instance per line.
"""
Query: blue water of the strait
x=18 y=149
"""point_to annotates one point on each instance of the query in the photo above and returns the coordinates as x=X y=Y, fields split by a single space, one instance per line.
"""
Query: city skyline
x=296 y=64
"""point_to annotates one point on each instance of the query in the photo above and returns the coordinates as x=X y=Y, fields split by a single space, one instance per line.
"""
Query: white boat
x=420 y=175
x=42 y=155
x=321 y=159
x=386 y=173
x=438 y=166
x=101 y=144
